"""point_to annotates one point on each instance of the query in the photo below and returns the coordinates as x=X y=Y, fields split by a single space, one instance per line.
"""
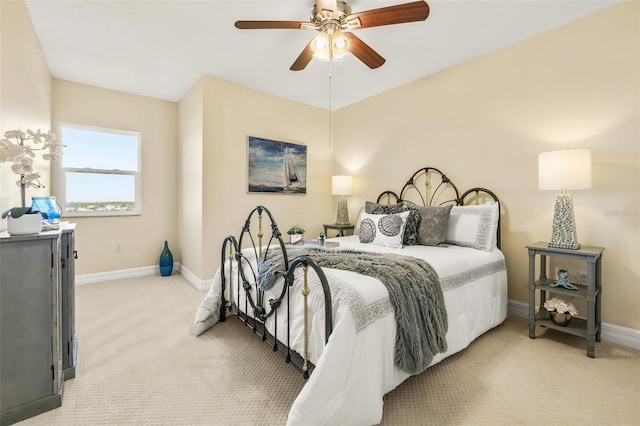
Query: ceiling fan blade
x=407 y=12
x=327 y=8
x=260 y=25
x=364 y=52
x=303 y=59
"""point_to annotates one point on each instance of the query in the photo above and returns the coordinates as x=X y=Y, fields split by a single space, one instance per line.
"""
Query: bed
x=357 y=334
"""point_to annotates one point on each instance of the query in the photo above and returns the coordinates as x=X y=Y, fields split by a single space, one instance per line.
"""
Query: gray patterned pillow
x=370 y=205
x=383 y=229
x=410 y=237
x=433 y=225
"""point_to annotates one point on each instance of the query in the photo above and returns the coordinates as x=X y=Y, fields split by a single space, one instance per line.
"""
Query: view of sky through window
x=100 y=151
x=93 y=187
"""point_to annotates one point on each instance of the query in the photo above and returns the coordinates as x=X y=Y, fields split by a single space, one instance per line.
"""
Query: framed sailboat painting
x=276 y=167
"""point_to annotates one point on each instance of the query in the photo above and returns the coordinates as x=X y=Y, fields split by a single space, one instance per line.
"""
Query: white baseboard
x=621 y=335
x=200 y=285
x=121 y=274
x=610 y=332
x=518 y=309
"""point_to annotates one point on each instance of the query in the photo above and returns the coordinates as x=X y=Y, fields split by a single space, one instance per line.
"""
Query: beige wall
x=25 y=94
x=230 y=114
x=484 y=122
x=185 y=184
x=190 y=180
x=142 y=236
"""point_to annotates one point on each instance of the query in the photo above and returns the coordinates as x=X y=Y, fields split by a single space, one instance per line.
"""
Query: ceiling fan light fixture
x=341 y=44
x=320 y=43
x=320 y=46
x=335 y=24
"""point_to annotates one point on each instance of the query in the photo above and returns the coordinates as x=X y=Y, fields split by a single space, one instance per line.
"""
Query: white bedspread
x=356 y=367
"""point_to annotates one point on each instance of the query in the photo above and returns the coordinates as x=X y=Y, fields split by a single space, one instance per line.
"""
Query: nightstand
x=590 y=328
x=339 y=228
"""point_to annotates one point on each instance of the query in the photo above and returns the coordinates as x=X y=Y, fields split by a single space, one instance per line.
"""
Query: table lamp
x=564 y=169
x=342 y=185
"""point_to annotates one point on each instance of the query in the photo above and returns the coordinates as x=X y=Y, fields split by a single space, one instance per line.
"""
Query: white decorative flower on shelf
x=558 y=305
x=21 y=153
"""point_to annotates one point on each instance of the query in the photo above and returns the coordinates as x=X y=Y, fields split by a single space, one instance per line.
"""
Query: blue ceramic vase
x=166 y=261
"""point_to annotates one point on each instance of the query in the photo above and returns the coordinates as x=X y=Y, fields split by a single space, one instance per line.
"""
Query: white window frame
x=62 y=173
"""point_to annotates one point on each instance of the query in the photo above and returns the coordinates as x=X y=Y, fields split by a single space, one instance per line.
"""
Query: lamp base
x=342 y=218
x=563 y=234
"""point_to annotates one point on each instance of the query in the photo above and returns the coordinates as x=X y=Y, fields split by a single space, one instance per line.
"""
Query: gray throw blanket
x=414 y=291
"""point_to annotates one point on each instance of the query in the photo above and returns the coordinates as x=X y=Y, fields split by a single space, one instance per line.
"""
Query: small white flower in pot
x=560 y=311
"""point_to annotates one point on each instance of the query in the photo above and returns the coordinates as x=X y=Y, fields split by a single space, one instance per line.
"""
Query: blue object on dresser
x=166 y=261
x=49 y=206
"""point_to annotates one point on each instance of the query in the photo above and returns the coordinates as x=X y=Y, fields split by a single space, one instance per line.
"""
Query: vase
x=295 y=238
x=166 y=261
x=49 y=206
x=560 y=319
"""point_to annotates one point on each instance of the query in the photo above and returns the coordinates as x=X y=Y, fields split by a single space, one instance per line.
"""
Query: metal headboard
x=430 y=187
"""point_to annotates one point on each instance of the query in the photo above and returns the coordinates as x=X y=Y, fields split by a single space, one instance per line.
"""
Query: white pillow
x=383 y=229
x=474 y=226
x=356 y=227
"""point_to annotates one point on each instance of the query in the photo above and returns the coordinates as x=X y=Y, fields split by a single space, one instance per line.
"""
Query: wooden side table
x=339 y=228
x=590 y=328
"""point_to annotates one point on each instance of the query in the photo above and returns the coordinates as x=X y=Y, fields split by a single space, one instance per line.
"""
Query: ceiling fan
x=334 y=22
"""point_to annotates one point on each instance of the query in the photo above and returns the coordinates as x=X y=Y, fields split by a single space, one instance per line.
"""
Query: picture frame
x=276 y=167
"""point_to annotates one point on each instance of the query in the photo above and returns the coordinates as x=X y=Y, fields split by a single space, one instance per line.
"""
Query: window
x=100 y=171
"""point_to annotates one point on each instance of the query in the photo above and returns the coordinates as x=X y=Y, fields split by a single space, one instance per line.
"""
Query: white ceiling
x=161 y=48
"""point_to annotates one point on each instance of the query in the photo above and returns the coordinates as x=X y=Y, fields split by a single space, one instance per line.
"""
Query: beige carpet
x=139 y=364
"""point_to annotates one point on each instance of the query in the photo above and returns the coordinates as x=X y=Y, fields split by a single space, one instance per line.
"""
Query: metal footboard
x=255 y=310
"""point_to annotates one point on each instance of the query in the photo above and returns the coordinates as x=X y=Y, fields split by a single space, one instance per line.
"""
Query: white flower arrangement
x=560 y=306
x=21 y=153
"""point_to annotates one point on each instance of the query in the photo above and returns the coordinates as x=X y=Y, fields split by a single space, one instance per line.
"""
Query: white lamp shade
x=341 y=185
x=565 y=169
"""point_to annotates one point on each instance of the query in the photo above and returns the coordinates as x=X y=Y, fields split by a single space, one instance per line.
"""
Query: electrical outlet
x=118 y=248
